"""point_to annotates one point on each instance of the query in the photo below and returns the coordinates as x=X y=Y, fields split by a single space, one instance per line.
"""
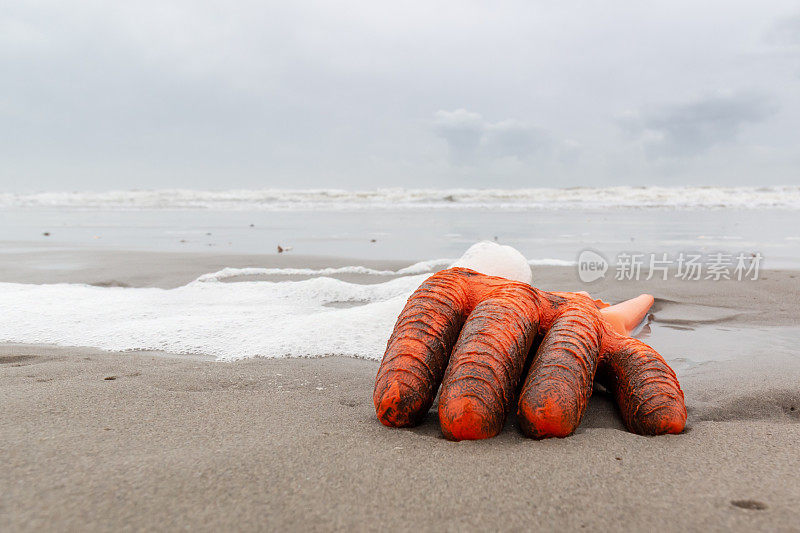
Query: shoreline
x=772 y=300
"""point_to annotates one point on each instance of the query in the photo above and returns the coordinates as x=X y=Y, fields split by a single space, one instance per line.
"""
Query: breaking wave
x=780 y=197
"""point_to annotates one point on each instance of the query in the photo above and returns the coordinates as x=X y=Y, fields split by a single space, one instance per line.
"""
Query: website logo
x=591 y=266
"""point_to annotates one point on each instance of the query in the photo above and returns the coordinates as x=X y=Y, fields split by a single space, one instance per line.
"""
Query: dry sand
x=174 y=442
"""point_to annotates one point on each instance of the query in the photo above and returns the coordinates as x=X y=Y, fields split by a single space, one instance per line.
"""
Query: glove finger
x=559 y=382
x=418 y=349
x=645 y=387
x=486 y=364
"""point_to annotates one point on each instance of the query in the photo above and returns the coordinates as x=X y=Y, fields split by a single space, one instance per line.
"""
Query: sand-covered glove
x=495 y=344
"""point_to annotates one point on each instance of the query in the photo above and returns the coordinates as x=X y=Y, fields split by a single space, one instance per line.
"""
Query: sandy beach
x=99 y=440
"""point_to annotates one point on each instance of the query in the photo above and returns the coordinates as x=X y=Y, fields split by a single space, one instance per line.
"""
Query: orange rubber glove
x=473 y=334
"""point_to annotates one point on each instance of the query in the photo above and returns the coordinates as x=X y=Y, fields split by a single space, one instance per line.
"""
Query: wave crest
x=781 y=197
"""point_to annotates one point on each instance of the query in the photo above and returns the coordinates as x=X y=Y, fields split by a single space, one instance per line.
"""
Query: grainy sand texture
x=96 y=440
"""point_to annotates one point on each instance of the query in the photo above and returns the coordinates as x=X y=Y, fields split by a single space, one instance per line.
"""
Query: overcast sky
x=148 y=94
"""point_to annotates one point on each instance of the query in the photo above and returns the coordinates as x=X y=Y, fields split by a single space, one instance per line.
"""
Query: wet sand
x=174 y=442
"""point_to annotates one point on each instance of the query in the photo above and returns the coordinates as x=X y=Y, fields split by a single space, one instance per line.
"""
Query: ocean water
x=776 y=197
x=323 y=316
x=544 y=224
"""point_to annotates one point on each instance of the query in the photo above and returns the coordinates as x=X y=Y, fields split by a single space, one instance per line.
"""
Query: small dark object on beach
x=183 y=240
x=750 y=505
x=110 y=378
x=252 y=225
x=208 y=234
x=373 y=240
x=282 y=249
x=46 y=233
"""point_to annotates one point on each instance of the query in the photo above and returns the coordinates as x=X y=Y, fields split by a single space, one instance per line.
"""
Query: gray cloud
x=464 y=132
x=180 y=93
x=470 y=138
x=690 y=129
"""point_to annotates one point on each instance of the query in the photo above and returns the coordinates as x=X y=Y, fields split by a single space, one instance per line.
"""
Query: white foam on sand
x=316 y=317
x=417 y=268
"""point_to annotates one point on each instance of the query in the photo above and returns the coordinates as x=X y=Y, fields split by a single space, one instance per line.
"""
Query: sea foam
x=417 y=268
x=624 y=197
x=316 y=317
